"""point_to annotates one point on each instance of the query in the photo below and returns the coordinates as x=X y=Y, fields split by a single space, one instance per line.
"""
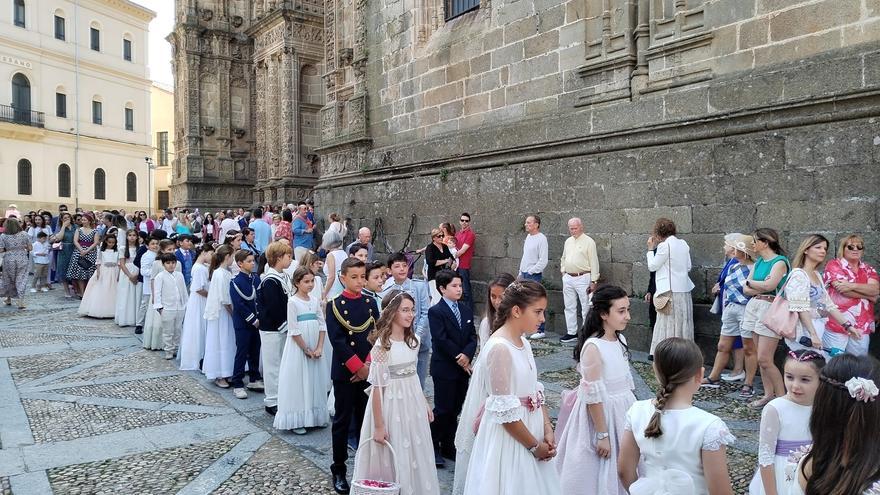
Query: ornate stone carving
x=308 y=33
x=208 y=130
x=237 y=21
x=207 y=14
x=239 y=133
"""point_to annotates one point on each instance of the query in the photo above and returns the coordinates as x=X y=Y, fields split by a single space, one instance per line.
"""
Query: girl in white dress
x=494 y=290
x=844 y=458
x=128 y=289
x=785 y=422
x=514 y=446
x=397 y=411
x=219 y=333
x=683 y=448
x=99 y=298
x=153 y=321
x=302 y=381
x=590 y=441
x=192 y=338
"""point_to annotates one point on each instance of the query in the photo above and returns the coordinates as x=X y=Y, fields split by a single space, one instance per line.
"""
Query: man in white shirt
x=169 y=222
x=534 y=258
x=228 y=223
x=580 y=270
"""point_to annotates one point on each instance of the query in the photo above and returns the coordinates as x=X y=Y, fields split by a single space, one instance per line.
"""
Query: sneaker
x=239 y=393
x=710 y=383
x=257 y=385
x=44 y=289
x=169 y=355
x=221 y=382
x=137 y=330
x=33 y=290
x=300 y=431
x=568 y=339
x=727 y=377
x=538 y=336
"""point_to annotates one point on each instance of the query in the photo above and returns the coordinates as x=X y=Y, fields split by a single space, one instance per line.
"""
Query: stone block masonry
x=800 y=166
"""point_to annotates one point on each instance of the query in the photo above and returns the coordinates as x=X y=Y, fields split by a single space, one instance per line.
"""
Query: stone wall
x=794 y=146
x=513 y=59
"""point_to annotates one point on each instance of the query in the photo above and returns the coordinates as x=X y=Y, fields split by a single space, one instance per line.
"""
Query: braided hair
x=520 y=293
x=676 y=361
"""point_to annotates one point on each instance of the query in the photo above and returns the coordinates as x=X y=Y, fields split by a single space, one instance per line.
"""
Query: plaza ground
x=86 y=409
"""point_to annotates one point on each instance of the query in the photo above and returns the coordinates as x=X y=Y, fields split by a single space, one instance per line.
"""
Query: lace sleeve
x=768 y=436
x=717 y=435
x=502 y=406
x=797 y=291
x=292 y=323
x=379 y=375
x=592 y=387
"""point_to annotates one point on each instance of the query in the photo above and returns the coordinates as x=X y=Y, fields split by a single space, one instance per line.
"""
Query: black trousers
x=247 y=350
x=351 y=402
x=449 y=397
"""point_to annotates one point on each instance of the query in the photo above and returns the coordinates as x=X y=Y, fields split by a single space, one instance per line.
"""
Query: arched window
x=25 y=184
x=100 y=184
x=95 y=36
x=21 y=98
x=64 y=180
x=131 y=187
x=19 y=12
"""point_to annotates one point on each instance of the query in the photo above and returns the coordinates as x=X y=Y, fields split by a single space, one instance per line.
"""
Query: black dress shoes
x=340 y=484
x=272 y=410
x=138 y=330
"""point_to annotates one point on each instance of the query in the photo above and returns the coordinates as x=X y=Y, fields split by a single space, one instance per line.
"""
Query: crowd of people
x=333 y=336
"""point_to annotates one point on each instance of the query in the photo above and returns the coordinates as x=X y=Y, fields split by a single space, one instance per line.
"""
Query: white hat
x=741 y=242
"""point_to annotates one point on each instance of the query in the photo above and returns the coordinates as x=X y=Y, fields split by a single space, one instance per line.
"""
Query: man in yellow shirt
x=580 y=271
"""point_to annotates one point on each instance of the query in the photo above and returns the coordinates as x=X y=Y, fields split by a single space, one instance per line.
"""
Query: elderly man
x=580 y=270
x=365 y=237
x=228 y=223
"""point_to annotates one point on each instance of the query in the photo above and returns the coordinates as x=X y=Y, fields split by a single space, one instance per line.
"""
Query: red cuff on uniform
x=354 y=363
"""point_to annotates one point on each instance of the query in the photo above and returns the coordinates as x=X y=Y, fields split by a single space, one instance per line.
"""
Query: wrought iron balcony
x=19 y=116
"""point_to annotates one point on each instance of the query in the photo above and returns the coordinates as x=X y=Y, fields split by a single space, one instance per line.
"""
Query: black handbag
x=84 y=263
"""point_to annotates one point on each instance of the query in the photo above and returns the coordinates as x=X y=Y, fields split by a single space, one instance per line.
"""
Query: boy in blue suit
x=454 y=342
x=243 y=291
x=185 y=256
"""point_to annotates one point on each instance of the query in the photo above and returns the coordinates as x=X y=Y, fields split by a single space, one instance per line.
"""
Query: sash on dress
x=307 y=317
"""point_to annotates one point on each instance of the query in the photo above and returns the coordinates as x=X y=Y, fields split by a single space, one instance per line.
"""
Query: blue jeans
x=466 y=294
x=537 y=278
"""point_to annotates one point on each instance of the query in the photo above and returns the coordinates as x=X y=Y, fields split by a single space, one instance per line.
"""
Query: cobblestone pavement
x=86 y=409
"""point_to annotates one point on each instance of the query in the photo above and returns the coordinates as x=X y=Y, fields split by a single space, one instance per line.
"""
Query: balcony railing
x=18 y=116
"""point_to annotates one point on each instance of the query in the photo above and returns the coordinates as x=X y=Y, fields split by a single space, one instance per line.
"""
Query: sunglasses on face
x=438 y=236
x=854 y=247
x=465 y=220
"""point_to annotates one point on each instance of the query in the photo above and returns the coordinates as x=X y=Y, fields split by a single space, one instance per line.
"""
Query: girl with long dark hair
x=589 y=441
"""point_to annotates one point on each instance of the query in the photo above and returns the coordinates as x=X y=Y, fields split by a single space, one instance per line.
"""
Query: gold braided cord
x=347 y=325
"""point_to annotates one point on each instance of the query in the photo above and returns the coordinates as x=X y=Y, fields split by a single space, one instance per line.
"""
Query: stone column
x=260 y=122
x=290 y=132
x=272 y=121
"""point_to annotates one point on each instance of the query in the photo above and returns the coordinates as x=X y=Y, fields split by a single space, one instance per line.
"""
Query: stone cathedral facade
x=723 y=115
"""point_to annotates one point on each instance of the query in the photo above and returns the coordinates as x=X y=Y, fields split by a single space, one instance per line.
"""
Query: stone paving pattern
x=115 y=418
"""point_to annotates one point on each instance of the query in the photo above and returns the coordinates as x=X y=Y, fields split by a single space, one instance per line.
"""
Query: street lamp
x=150 y=168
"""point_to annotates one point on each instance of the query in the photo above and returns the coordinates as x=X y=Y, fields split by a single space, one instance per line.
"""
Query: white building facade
x=74 y=104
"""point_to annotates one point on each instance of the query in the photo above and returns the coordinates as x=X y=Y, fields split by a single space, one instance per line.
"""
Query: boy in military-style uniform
x=350 y=317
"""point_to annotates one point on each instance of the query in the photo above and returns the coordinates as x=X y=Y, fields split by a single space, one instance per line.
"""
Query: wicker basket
x=363 y=487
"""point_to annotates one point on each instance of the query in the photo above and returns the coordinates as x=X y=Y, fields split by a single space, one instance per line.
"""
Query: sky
x=160 y=50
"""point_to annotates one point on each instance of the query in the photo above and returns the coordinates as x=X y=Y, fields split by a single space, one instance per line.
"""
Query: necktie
x=457 y=313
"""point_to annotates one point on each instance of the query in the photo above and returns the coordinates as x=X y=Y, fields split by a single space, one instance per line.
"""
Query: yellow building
x=162 y=118
x=74 y=104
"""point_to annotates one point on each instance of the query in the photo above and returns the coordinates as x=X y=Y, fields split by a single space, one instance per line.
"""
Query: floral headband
x=514 y=287
x=806 y=356
x=860 y=389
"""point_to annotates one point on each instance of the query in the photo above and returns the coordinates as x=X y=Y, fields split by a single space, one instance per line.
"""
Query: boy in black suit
x=454 y=342
x=351 y=316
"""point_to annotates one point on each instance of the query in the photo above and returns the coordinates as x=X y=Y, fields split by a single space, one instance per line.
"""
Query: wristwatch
x=601 y=435
x=535 y=448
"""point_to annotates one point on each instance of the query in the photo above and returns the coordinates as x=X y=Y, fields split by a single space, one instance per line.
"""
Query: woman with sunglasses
x=853 y=286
